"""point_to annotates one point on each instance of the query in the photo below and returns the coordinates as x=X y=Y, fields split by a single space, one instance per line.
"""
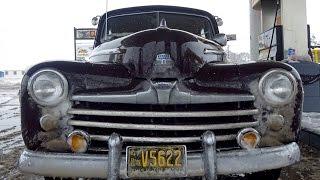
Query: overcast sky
x=32 y=31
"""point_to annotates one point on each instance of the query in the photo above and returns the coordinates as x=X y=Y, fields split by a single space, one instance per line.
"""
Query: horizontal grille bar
x=163 y=114
x=183 y=98
x=162 y=139
x=157 y=127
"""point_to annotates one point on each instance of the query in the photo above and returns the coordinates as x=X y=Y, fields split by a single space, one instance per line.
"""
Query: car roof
x=140 y=9
x=158 y=8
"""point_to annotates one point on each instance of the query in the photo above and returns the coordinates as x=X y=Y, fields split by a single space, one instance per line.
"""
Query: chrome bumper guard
x=209 y=163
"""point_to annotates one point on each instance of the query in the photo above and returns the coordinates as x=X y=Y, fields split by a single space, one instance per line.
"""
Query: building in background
x=11 y=73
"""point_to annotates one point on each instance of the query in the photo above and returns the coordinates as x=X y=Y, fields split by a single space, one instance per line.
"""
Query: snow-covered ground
x=9 y=82
x=10 y=134
x=311 y=122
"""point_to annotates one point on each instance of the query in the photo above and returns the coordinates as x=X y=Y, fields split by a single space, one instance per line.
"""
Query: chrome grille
x=163 y=124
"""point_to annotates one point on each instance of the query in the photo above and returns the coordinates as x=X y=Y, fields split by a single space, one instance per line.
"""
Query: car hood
x=160 y=53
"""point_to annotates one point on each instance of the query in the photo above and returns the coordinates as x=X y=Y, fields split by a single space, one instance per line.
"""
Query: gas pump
x=271 y=50
x=279 y=30
x=314 y=50
x=278 y=26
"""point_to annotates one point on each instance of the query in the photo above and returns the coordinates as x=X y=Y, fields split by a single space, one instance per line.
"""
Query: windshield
x=121 y=26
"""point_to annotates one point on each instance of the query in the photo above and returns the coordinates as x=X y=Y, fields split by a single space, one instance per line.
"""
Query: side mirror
x=221 y=39
x=219 y=21
x=231 y=37
x=95 y=20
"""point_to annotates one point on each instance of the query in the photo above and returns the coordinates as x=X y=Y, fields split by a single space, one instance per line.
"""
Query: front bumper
x=235 y=162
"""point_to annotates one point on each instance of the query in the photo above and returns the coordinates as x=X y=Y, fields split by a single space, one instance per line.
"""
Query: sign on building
x=83 y=42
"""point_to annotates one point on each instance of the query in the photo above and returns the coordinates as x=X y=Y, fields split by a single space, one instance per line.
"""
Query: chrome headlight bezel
x=57 y=100
x=271 y=73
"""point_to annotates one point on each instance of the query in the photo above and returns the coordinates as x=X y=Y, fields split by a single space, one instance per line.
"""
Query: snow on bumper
x=233 y=162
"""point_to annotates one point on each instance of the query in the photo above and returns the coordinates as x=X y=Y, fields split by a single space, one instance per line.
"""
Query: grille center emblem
x=164 y=90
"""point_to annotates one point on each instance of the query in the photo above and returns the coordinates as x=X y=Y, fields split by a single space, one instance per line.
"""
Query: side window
x=14 y=72
x=6 y=73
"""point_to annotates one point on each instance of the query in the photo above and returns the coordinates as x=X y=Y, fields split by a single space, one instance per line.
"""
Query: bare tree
x=238 y=57
x=314 y=41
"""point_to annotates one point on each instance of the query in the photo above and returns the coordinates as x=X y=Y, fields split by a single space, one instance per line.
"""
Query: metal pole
x=255 y=30
x=75 y=42
x=106 y=31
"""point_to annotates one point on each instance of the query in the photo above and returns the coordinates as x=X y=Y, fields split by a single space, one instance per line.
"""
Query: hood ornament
x=163 y=23
x=164 y=59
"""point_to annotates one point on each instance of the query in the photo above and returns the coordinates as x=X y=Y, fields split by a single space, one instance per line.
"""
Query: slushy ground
x=311 y=122
x=11 y=143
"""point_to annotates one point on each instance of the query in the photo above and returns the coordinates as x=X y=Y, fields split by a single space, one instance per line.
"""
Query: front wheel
x=265 y=175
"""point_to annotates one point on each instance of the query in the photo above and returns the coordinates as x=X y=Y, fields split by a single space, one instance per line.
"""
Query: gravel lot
x=11 y=143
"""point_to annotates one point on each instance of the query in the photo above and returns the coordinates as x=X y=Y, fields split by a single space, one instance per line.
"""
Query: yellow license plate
x=162 y=161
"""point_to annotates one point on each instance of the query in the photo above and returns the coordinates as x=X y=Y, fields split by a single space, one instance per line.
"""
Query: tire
x=265 y=175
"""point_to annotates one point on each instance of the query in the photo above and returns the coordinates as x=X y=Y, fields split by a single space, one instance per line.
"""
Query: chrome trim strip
x=221 y=98
x=107 y=52
x=149 y=97
x=111 y=98
x=154 y=114
x=95 y=166
x=213 y=51
x=162 y=139
x=159 y=127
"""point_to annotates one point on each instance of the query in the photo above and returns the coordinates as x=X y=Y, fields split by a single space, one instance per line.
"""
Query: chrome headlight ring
x=48 y=87
x=278 y=87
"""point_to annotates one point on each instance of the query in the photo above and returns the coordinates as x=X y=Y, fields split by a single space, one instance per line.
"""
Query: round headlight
x=278 y=87
x=48 y=87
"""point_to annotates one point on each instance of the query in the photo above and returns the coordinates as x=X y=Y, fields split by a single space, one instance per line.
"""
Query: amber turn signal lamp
x=78 y=141
x=248 y=138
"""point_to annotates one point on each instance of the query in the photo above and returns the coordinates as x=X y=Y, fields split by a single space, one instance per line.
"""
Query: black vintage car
x=159 y=99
